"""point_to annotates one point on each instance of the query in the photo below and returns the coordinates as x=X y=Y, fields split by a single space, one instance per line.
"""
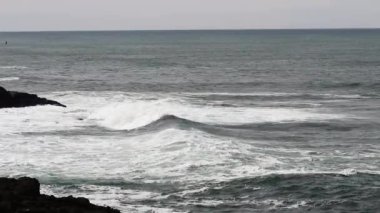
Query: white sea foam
x=10 y=79
x=109 y=196
x=37 y=119
x=169 y=155
x=13 y=67
x=197 y=156
x=131 y=114
x=52 y=118
x=170 y=152
x=297 y=205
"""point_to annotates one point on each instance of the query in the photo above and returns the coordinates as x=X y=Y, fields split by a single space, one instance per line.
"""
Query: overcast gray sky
x=26 y=15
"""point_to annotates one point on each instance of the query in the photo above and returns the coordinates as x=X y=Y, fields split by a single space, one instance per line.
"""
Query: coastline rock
x=23 y=195
x=10 y=99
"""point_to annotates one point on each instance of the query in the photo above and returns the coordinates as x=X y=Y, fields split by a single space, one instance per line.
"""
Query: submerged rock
x=23 y=195
x=9 y=99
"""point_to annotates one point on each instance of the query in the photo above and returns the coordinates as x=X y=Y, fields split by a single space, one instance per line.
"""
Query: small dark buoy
x=6 y=43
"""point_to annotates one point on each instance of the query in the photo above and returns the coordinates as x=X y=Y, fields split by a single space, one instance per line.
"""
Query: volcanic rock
x=10 y=99
x=23 y=195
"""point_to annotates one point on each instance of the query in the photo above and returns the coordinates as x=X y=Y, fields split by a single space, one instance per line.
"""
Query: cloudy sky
x=37 y=15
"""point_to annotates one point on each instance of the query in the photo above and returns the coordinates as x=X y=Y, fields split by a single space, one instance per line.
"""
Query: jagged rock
x=23 y=195
x=9 y=99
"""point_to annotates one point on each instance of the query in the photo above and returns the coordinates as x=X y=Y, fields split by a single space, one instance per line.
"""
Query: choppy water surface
x=201 y=121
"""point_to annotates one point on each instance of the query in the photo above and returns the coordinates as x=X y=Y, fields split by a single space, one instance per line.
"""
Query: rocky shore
x=11 y=99
x=23 y=195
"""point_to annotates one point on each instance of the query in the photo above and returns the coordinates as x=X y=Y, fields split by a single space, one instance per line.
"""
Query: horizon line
x=221 y=29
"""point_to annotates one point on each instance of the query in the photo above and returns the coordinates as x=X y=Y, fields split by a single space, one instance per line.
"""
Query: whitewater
x=158 y=138
x=225 y=121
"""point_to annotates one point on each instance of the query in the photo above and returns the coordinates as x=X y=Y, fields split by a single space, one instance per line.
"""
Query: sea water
x=201 y=121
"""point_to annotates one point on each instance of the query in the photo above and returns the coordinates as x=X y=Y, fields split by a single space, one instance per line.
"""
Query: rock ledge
x=10 y=99
x=23 y=196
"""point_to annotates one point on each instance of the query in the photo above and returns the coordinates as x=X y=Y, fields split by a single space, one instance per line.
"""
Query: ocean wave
x=172 y=121
x=268 y=193
x=274 y=96
x=325 y=187
x=347 y=85
x=133 y=114
x=264 y=177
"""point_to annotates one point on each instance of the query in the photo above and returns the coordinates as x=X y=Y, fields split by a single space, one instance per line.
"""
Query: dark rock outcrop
x=9 y=99
x=23 y=195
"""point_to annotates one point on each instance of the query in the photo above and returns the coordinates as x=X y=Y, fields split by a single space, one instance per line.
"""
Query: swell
x=278 y=97
x=316 y=191
x=300 y=186
x=346 y=85
x=247 y=130
x=271 y=179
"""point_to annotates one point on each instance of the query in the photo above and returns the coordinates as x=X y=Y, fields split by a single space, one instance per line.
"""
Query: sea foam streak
x=10 y=79
x=13 y=67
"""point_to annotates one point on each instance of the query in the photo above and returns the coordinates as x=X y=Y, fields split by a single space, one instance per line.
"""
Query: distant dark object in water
x=10 y=99
x=23 y=195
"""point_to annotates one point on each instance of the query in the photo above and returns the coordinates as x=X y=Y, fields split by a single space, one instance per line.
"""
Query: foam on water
x=109 y=196
x=13 y=67
x=257 y=126
x=38 y=119
x=52 y=118
x=169 y=153
x=126 y=111
x=131 y=114
x=30 y=146
x=10 y=79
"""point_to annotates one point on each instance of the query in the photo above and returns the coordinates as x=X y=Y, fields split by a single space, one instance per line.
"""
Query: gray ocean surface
x=198 y=121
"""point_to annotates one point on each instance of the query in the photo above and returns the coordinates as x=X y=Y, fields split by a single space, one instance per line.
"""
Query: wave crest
x=134 y=114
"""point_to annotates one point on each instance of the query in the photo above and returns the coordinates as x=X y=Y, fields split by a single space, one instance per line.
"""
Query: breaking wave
x=129 y=115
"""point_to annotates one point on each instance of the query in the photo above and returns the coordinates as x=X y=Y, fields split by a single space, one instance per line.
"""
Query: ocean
x=198 y=121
